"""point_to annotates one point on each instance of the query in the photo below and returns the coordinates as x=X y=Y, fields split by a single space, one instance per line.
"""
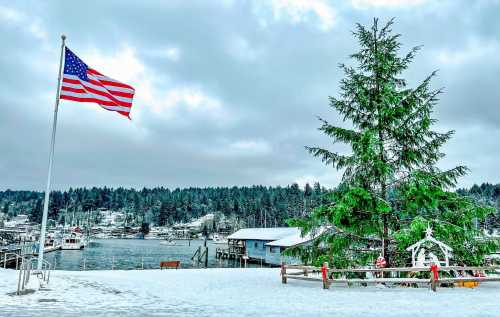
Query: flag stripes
x=83 y=84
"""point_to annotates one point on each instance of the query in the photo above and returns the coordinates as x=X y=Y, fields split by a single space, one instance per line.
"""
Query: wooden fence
x=438 y=275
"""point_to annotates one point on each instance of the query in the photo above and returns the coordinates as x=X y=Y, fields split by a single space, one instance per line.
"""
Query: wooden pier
x=235 y=250
x=227 y=254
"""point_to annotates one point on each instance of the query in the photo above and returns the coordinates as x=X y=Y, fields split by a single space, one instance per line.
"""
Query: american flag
x=84 y=84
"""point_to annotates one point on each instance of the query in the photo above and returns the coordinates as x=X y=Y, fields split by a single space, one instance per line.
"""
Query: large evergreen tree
x=391 y=188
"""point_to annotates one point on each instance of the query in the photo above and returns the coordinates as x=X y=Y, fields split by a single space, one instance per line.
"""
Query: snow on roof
x=268 y=234
x=295 y=239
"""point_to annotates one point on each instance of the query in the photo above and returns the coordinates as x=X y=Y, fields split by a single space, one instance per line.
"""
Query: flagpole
x=51 y=158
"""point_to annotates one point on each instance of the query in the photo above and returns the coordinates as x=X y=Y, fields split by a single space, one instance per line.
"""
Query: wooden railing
x=328 y=276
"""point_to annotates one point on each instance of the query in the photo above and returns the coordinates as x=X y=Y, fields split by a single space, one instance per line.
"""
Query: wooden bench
x=170 y=264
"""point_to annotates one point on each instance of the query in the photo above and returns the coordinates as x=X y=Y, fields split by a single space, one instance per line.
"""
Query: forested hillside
x=489 y=194
x=253 y=206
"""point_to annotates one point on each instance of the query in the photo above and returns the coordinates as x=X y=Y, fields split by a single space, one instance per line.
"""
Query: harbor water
x=129 y=254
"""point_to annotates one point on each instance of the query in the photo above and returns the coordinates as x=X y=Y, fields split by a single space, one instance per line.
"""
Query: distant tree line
x=489 y=194
x=258 y=206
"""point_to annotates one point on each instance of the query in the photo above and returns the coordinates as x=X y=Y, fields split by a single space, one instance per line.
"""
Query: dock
x=228 y=253
x=10 y=258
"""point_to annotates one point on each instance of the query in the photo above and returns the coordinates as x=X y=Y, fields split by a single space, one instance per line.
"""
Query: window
x=273 y=249
x=256 y=245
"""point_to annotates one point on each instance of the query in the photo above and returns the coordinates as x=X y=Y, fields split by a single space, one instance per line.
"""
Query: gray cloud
x=227 y=93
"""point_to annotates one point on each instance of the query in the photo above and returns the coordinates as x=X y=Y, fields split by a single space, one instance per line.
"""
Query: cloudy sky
x=227 y=92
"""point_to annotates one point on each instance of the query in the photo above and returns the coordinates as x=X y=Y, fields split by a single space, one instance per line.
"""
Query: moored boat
x=218 y=239
x=73 y=241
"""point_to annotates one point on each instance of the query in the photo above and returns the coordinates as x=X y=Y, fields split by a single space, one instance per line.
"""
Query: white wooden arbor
x=419 y=257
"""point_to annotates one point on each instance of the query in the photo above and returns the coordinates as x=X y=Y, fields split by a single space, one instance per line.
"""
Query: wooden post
x=324 y=274
x=283 y=273
x=206 y=255
x=434 y=277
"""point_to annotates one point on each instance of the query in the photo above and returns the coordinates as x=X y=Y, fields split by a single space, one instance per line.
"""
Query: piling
x=206 y=256
x=283 y=273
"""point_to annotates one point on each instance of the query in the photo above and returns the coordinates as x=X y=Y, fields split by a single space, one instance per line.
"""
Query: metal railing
x=24 y=264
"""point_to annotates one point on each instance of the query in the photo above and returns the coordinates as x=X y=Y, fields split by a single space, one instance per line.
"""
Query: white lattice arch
x=445 y=249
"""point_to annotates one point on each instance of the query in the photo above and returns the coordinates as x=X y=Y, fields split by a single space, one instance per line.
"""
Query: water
x=129 y=254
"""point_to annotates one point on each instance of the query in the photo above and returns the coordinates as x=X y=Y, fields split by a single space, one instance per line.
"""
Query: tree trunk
x=380 y=128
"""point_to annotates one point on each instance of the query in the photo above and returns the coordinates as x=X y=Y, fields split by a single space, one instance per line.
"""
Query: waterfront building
x=112 y=218
x=252 y=241
x=17 y=221
x=275 y=249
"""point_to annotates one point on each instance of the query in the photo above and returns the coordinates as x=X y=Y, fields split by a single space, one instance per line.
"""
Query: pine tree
x=391 y=187
x=163 y=214
x=37 y=212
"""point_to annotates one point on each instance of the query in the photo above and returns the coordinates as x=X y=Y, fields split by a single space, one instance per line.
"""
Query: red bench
x=170 y=264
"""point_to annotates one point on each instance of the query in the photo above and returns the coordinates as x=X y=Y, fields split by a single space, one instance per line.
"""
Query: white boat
x=72 y=241
x=217 y=239
x=50 y=245
x=168 y=241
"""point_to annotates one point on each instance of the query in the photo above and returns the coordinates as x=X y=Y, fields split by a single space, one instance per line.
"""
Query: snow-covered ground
x=230 y=292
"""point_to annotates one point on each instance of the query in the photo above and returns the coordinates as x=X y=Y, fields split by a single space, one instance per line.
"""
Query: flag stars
x=75 y=66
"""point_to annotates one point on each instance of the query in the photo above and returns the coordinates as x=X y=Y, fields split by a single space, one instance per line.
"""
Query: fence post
x=434 y=276
x=283 y=273
x=324 y=274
